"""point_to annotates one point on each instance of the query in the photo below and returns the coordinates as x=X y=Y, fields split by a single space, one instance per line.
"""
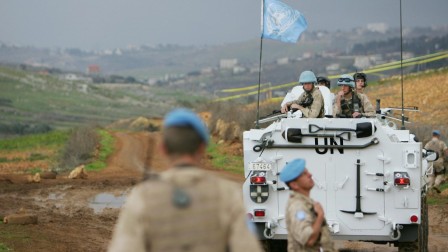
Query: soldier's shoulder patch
x=300 y=215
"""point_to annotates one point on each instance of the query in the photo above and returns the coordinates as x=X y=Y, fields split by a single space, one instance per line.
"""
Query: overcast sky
x=101 y=24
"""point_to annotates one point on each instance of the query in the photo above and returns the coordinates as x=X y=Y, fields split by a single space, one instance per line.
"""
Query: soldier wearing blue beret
x=305 y=220
x=437 y=177
x=184 y=208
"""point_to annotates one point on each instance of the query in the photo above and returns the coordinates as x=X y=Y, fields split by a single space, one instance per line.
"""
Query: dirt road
x=79 y=215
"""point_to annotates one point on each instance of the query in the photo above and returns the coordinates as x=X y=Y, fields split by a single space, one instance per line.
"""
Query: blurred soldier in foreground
x=349 y=104
x=184 y=208
x=360 y=82
x=437 y=145
x=305 y=220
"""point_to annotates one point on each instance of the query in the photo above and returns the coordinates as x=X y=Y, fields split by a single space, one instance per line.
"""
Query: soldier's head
x=184 y=133
x=346 y=83
x=307 y=79
x=323 y=81
x=296 y=176
x=436 y=133
x=360 y=80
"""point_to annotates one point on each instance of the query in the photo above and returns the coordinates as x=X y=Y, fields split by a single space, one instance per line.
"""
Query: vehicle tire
x=408 y=247
x=421 y=244
x=423 y=228
x=275 y=245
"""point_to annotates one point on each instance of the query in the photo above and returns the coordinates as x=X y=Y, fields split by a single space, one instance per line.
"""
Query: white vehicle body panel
x=334 y=166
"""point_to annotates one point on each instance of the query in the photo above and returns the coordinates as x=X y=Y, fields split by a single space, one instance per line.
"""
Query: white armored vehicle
x=368 y=174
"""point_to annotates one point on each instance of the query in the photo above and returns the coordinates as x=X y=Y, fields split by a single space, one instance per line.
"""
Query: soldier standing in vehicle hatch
x=438 y=175
x=184 y=208
x=310 y=102
x=305 y=220
x=349 y=104
x=360 y=82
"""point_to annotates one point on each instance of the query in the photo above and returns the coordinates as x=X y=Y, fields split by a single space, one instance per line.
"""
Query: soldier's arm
x=317 y=225
x=292 y=104
x=369 y=111
x=300 y=227
x=315 y=108
x=128 y=233
x=444 y=148
x=337 y=104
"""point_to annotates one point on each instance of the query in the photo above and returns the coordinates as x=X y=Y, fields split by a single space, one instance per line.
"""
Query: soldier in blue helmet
x=349 y=104
x=439 y=146
x=305 y=220
x=310 y=102
x=159 y=211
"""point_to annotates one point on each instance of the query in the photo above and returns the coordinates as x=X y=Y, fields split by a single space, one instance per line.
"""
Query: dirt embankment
x=79 y=215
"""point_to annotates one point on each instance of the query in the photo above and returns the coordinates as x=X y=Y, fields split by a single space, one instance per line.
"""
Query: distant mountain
x=172 y=58
x=201 y=67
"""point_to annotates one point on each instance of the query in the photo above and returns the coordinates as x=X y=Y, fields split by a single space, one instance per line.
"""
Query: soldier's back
x=188 y=209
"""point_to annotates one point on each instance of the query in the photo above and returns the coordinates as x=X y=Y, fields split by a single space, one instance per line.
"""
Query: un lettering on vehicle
x=329 y=141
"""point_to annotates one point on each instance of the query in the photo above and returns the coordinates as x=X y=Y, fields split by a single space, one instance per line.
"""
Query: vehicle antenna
x=401 y=64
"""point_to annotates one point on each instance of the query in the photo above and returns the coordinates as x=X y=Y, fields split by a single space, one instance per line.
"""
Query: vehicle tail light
x=414 y=218
x=258 y=180
x=401 y=179
x=259 y=212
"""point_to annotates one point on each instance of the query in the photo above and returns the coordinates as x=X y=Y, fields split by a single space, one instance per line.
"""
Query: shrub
x=244 y=116
x=106 y=148
x=80 y=148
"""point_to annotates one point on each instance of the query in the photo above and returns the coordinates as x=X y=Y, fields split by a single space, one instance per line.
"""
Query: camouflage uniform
x=214 y=219
x=347 y=106
x=438 y=175
x=300 y=217
x=316 y=109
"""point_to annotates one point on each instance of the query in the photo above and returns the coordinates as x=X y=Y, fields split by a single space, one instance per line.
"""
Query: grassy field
x=223 y=159
x=31 y=153
x=35 y=153
x=107 y=143
x=32 y=98
x=425 y=90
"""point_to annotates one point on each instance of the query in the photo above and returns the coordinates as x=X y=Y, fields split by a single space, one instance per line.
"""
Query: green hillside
x=31 y=98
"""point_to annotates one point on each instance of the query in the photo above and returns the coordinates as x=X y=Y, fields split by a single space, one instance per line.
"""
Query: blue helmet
x=347 y=80
x=307 y=77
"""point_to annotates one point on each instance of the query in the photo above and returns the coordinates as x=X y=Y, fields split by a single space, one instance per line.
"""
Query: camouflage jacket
x=312 y=103
x=300 y=217
x=350 y=104
x=440 y=147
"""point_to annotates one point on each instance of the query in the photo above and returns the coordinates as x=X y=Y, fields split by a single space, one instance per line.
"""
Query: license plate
x=260 y=166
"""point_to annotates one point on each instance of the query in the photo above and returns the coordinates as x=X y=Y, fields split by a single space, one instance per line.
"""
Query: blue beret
x=184 y=117
x=436 y=132
x=292 y=170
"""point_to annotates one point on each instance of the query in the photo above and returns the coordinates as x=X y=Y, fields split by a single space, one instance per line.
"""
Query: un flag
x=281 y=22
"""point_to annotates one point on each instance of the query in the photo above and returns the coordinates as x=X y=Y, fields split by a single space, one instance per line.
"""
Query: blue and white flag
x=281 y=22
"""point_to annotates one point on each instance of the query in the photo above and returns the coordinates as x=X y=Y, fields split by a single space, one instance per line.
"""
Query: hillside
x=32 y=98
x=426 y=90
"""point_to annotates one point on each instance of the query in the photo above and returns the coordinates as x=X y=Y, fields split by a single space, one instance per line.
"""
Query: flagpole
x=257 y=125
